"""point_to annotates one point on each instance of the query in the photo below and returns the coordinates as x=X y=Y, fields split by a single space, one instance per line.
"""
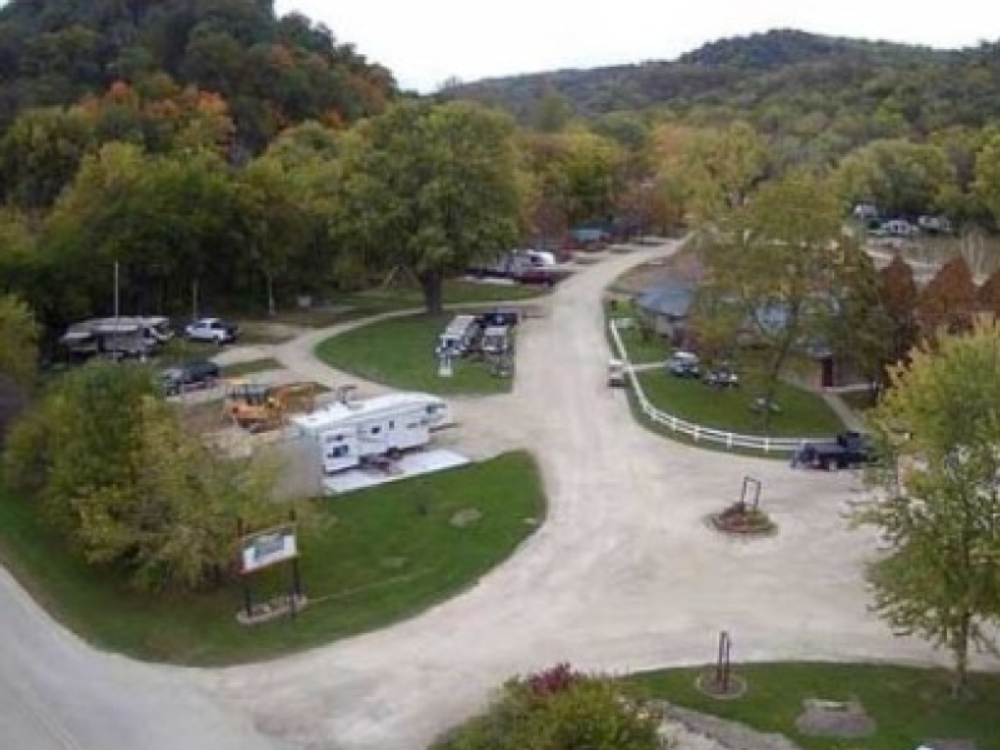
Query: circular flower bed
x=740 y=519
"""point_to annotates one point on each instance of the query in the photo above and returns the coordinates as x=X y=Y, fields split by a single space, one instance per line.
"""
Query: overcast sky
x=425 y=42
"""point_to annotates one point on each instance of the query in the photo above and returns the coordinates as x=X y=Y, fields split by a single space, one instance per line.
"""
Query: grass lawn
x=399 y=352
x=802 y=413
x=369 y=558
x=643 y=351
x=344 y=306
x=909 y=705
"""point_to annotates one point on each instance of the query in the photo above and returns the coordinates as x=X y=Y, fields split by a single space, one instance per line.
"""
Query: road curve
x=58 y=693
x=623 y=575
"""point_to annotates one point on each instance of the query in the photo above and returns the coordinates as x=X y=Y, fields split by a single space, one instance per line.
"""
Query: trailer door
x=339 y=449
x=373 y=438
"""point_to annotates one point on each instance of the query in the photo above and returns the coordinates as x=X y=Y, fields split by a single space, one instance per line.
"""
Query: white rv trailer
x=460 y=334
x=124 y=335
x=349 y=431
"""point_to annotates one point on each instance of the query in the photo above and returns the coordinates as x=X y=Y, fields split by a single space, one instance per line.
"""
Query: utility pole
x=116 y=295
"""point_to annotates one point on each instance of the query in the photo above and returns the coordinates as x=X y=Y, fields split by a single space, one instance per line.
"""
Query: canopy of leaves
x=939 y=426
x=272 y=71
x=900 y=177
x=116 y=472
x=820 y=97
x=779 y=260
x=430 y=188
x=18 y=341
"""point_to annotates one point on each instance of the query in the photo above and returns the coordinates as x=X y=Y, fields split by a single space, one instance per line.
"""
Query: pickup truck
x=850 y=450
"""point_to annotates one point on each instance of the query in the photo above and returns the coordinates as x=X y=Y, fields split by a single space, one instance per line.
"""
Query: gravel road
x=624 y=575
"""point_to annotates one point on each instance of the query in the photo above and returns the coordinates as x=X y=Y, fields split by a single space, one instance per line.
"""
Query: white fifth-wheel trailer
x=351 y=431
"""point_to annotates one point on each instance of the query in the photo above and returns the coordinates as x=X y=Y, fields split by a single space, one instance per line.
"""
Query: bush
x=559 y=709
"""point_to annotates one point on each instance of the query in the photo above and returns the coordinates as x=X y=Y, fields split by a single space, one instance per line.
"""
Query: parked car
x=934 y=224
x=723 y=376
x=848 y=451
x=684 y=365
x=213 y=330
x=188 y=376
x=901 y=228
x=501 y=317
x=616 y=373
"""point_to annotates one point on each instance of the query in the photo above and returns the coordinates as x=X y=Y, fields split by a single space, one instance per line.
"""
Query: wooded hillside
x=270 y=71
x=785 y=83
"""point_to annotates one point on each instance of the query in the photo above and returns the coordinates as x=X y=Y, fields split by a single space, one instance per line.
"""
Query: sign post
x=263 y=549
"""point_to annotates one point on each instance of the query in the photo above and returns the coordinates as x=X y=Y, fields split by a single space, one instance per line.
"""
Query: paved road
x=57 y=693
x=624 y=575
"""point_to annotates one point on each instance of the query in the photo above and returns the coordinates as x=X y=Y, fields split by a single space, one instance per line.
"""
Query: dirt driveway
x=624 y=574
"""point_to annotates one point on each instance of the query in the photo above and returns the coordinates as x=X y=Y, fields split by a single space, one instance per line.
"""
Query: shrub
x=559 y=709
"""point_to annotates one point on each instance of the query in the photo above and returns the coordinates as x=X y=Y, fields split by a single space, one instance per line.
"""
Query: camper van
x=116 y=338
x=350 y=431
x=495 y=340
x=460 y=335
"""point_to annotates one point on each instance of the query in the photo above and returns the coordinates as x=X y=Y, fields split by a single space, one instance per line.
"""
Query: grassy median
x=368 y=558
x=909 y=706
x=399 y=352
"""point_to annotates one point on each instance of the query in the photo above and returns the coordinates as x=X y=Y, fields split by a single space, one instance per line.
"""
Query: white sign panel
x=268 y=548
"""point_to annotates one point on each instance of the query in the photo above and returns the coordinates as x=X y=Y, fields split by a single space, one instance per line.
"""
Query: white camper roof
x=340 y=413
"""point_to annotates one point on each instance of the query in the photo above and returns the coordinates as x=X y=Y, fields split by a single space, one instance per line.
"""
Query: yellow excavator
x=258 y=407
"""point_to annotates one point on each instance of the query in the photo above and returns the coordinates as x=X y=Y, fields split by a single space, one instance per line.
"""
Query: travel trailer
x=124 y=336
x=460 y=335
x=495 y=340
x=351 y=431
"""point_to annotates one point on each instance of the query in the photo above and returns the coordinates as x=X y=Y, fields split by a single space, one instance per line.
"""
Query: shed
x=667 y=307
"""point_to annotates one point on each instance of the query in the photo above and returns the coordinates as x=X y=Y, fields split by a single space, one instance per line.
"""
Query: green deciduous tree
x=116 y=472
x=18 y=357
x=722 y=168
x=779 y=260
x=170 y=221
x=18 y=341
x=902 y=178
x=273 y=211
x=39 y=155
x=552 y=111
x=987 y=182
x=430 y=188
x=862 y=330
x=939 y=425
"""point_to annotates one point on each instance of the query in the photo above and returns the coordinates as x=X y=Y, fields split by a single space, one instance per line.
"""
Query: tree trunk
x=194 y=299
x=433 y=288
x=771 y=383
x=960 y=649
x=272 y=307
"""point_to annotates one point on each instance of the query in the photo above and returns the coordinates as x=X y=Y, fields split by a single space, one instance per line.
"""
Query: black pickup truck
x=850 y=450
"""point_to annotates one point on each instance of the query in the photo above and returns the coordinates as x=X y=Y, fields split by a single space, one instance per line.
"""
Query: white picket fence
x=697 y=432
